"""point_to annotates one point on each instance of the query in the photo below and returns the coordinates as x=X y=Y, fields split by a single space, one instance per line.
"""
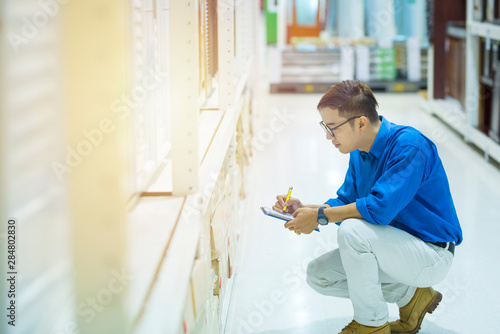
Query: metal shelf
x=451 y=113
x=465 y=121
x=483 y=29
x=322 y=87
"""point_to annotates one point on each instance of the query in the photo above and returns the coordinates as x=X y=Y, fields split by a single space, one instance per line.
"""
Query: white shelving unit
x=482 y=29
x=187 y=217
x=465 y=121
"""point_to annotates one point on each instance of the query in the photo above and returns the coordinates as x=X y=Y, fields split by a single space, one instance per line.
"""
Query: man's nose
x=329 y=136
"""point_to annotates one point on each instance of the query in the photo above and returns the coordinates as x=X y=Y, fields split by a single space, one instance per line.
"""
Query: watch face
x=323 y=221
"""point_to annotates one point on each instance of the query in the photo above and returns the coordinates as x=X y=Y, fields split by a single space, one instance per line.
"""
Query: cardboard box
x=204 y=246
x=213 y=249
x=232 y=241
x=214 y=316
x=218 y=233
x=214 y=277
x=188 y=321
x=220 y=249
x=200 y=285
x=202 y=324
x=223 y=273
x=211 y=273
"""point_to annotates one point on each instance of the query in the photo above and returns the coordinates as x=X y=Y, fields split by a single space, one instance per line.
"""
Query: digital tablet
x=280 y=215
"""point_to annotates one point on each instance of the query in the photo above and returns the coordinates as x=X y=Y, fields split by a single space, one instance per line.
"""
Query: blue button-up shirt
x=402 y=182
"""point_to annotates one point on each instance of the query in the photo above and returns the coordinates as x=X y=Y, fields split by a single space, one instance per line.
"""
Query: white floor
x=270 y=294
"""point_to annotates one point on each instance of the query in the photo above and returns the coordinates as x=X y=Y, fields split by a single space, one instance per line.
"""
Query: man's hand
x=305 y=220
x=291 y=205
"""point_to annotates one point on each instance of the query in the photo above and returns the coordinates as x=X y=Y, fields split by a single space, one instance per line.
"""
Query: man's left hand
x=305 y=220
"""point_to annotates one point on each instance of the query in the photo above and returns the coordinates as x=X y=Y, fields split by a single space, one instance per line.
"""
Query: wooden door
x=305 y=19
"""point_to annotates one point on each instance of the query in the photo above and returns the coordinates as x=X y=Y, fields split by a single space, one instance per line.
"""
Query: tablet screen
x=280 y=215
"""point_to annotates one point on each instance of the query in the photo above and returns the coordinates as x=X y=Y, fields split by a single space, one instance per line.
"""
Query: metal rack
x=464 y=120
x=302 y=71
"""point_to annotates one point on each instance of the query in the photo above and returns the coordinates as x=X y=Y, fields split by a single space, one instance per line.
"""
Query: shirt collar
x=378 y=146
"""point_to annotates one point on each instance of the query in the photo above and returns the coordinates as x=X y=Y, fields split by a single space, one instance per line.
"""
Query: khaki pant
x=375 y=265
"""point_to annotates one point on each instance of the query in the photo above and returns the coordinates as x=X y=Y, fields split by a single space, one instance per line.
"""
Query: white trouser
x=375 y=265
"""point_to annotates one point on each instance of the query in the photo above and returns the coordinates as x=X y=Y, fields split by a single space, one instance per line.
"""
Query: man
x=397 y=223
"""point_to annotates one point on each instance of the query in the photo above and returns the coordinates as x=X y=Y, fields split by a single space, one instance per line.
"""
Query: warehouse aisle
x=270 y=294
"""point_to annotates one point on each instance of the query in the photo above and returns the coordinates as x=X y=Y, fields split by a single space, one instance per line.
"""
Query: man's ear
x=363 y=122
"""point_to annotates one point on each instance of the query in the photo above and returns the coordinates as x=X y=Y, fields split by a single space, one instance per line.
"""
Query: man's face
x=345 y=138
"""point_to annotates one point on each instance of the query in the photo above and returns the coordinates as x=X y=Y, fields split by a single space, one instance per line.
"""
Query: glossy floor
x=269 y=291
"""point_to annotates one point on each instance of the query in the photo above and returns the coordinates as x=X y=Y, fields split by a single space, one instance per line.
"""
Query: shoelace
x=352 y=326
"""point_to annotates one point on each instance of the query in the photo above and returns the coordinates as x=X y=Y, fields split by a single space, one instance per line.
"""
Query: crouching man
x=397 y=223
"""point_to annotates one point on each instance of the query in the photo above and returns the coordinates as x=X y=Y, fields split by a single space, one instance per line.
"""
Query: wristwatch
x=322 y=220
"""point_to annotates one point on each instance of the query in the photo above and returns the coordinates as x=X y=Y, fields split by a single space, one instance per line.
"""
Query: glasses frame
x=330 y=130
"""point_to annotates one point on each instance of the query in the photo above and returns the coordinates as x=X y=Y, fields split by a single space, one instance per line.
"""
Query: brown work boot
x=356 y=328
x=425 y=300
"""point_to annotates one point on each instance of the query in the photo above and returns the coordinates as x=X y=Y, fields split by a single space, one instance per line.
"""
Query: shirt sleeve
x=395 y=188
x=347 y=192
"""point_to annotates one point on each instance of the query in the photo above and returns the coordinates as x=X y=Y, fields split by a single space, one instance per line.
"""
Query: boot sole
x=430 y=308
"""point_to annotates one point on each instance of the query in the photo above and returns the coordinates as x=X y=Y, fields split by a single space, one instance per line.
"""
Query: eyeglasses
x=330 y=130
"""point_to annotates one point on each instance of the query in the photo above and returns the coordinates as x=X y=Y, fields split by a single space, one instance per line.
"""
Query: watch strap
x=321 y=215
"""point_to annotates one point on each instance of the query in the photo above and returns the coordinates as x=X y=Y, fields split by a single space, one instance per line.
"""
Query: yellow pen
x=288 y=197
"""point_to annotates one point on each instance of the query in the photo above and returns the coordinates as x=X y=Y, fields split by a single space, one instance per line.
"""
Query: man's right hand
x=291 y=205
